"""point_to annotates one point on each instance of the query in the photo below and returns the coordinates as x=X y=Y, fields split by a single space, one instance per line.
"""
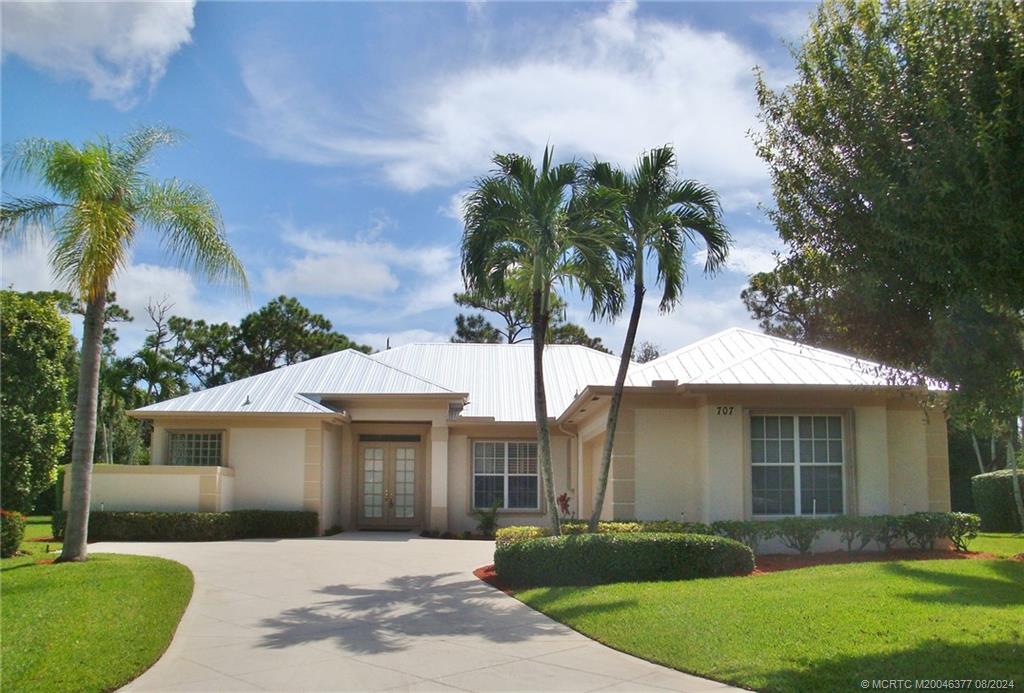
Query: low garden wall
x=159 y=488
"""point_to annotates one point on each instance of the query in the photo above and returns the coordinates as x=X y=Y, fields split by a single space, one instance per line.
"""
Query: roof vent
x=247 y=401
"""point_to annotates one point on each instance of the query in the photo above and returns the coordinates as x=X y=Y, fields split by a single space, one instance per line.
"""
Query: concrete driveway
x=372 y=611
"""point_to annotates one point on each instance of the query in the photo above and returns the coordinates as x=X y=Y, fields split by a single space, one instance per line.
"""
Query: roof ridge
x=370 y=358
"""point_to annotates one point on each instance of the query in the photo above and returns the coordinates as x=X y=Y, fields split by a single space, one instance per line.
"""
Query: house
x=737 y=425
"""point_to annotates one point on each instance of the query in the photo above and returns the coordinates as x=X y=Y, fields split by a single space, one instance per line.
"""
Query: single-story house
x=737 y=425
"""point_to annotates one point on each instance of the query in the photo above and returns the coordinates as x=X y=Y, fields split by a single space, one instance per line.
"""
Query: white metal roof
x=296 y=389
x=741 y=357
x=499 y=377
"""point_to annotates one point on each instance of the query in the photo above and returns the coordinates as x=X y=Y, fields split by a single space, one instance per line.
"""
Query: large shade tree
x=896 y=156
x=101 y=199
x=658 y=218
x=542 y=228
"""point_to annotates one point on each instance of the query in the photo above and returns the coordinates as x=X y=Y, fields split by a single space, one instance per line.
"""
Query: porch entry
x=390 y=478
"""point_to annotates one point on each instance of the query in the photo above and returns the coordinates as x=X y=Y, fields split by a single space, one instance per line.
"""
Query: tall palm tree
x=658 y=217
x=102 y=198
x=541 y=229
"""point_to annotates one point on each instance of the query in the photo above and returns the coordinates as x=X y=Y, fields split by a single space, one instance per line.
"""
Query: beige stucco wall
x=163 y=489
x=331 y=479
x=689 y=453
x=460 y=499
x=269 y=466
x=669 y=474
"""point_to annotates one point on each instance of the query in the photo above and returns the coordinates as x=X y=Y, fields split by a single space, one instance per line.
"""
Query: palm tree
x=541 y=229
x=659 y=216
x=102 y=199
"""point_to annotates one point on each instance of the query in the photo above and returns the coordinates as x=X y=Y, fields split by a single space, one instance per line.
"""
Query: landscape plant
x=535 y=230
x=658 y=218
x=12 y=531
x=103 y=199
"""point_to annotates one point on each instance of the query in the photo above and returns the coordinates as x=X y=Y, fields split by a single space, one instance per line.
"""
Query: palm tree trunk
x=540 y=408
x=83 y=441
x=613 y=407
x=1011 y=462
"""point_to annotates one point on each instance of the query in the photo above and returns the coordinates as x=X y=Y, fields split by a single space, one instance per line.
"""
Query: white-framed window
x=797 y=464
x=195 y=449
x=506 y=471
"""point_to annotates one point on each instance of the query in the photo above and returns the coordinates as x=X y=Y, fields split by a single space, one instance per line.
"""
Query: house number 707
x=725 y=411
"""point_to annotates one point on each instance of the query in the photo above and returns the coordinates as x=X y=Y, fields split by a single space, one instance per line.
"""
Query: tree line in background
x=896 y=162
x=179 y=355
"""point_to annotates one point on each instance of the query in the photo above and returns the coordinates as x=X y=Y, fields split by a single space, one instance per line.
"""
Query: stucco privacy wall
x=460 y=495
x=158 y=488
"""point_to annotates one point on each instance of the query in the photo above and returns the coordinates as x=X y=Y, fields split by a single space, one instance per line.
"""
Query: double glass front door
x=387 y=484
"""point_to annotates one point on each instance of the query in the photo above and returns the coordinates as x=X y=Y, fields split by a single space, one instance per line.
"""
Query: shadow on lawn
x=931 y=661
x=368 y=621
x=1003 y=587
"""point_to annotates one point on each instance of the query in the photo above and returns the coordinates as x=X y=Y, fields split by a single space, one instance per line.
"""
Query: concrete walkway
x=372 y=611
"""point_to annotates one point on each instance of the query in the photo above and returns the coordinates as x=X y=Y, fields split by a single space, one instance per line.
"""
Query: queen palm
x=102 y=198
x=659 y=217
x=541 y=229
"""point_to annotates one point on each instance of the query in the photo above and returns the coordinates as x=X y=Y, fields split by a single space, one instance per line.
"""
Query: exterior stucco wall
x=669 y=474
x=270 y=467
x=908 y=461
x=460 y=496
x=331 y=490
x=158 y=488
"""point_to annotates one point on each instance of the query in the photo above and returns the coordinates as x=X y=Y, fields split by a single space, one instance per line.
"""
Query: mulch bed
x=773 y=563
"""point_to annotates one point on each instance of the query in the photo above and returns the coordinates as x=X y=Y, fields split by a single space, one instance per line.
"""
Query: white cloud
x=27 y=268
x=366 y=267
x=790 y=24
x=456 y=205
x=752 y=252
x=612 y=86
x=117 y=47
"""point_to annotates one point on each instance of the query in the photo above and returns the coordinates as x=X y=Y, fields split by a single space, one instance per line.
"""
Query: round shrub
x=12 y=531
x=591 y=559
x=993 y=500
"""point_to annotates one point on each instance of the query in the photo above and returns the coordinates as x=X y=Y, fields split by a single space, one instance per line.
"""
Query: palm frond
x=191 y=228
x=91 y=244
x=21 y=214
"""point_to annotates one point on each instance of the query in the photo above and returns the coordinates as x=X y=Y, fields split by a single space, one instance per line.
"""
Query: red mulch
x=44 y=561
x=773 y=563
x=487 y=574
x=44 y=539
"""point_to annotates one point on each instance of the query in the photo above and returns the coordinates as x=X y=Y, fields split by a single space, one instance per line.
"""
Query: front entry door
x=388 y=485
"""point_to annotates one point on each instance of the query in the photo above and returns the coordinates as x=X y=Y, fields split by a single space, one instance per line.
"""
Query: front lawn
x=815 y=629
x=89 y=626
x=999 y=543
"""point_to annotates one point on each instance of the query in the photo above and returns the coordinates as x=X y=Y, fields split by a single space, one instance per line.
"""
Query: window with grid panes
x=506 y=472
x=797 y=465
x=195 y=449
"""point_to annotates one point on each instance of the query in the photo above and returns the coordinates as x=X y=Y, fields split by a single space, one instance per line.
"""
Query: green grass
x=89 y=626
x=999 y=543
x=815 y=629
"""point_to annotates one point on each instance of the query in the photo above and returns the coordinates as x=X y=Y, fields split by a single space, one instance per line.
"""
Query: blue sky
x=338 y=137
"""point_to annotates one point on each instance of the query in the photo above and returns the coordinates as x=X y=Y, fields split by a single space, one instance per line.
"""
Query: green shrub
x=487 y=518
x=885 y=530
x=797 y=533
x=993 y=499
x=179 y=526
x=922 y=529
x=12 y=531
x=514 y=534
x=961 y=528
x=852 y=530
x=747 y=532
x=591 y=559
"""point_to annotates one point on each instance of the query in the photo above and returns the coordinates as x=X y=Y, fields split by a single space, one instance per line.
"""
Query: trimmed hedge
x=12 y=531
x=180 y=526
x=592 y=559
x=993 y=499
x=919 y=530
